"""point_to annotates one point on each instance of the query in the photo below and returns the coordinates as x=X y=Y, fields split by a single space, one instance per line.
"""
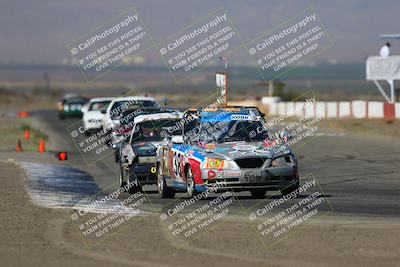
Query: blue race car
x=229 y=145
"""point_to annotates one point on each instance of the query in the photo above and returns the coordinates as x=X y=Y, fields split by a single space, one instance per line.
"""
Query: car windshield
x=156 y=130
x=78 y=101
x=214 y=131
x=129 y=116
x=119 y=106
x=96 y=106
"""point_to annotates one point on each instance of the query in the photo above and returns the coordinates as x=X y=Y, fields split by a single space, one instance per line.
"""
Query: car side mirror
x=178 y=139
x=103 y=111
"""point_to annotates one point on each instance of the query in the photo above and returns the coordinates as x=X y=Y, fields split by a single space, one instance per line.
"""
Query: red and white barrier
x=320 y=110
x=299 y=106
x=309 y=110
x=290 y=109
x=359 y=109
x=331 y=109
x=345 y=109
x=375 y=110
x=397 y=110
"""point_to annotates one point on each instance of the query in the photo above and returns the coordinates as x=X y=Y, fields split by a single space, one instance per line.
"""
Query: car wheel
x=61 y=116
x=291 y=188
x=163 y=189
x=122 y=182
x=190 y=185
x=133 y=187
x=258 y=193
x=116 y=154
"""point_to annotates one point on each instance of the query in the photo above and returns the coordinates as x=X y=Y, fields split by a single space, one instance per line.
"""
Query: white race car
x=92 y=115
x=115 y=109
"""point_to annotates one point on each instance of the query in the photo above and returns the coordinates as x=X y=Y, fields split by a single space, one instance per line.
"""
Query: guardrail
x=358 y=109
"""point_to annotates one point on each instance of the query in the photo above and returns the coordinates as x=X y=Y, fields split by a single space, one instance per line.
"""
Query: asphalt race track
x=359 y=175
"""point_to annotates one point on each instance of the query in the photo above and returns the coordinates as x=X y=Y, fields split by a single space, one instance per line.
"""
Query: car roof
x=101 y=99
x=228 y=109
x=226 y=114
x=135 y=108
x=70 y=95
x=77 y=99
x=157 y=116
x=128 y=98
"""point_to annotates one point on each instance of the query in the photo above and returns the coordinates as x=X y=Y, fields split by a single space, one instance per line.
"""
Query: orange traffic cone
x=27 y=134
x=18 y=148
x=41 y=146
x=23 y=114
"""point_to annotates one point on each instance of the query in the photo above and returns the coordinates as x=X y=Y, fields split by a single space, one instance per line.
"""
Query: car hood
x=235 y=150
x=93 y=115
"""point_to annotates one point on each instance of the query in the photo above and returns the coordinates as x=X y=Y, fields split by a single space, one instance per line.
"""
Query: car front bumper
x=146 y=173
x=247 y=179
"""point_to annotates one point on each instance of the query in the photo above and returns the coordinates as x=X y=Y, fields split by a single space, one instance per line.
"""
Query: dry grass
x=12 y=130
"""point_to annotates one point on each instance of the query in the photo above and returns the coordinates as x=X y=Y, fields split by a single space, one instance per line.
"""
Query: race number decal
x=214 y=163
x=176 y=165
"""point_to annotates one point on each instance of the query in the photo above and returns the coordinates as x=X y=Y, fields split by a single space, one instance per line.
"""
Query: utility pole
x=271 y=88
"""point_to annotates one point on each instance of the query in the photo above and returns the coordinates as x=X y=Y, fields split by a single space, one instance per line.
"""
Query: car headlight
x=214 y=163
x=282 y=161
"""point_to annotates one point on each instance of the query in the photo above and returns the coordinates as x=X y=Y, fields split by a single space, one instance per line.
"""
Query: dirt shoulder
x=26 y=229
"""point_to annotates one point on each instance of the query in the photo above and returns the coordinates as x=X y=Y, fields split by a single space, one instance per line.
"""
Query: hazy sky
x=38 y=30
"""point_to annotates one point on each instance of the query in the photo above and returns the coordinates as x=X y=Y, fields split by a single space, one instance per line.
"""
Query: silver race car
x=138 y=153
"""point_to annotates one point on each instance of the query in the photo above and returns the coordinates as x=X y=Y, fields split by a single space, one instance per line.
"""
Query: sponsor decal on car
x=214 y=163
x=237 y=117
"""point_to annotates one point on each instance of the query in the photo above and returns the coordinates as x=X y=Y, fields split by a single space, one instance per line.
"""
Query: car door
x=177 y=166
x=164 y=160
x=127 y=154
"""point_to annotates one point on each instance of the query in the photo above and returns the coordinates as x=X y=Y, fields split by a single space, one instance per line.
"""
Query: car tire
x=122 y=182
x=258 y=193
x=132 y=189
x=108 y=141
x=61 y=116
x=291 y=188
x=117 y=156
x=190 y=184
x=163 y=189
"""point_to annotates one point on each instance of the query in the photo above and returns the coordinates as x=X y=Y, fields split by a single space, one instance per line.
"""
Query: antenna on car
x=165 y=103
x=221 y=79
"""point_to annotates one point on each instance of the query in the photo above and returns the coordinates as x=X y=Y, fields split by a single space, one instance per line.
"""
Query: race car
x=92 y=116
x=71 y=106
x=113 y=113
x=123 y=130
x=138 y=153
x=229 y=145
